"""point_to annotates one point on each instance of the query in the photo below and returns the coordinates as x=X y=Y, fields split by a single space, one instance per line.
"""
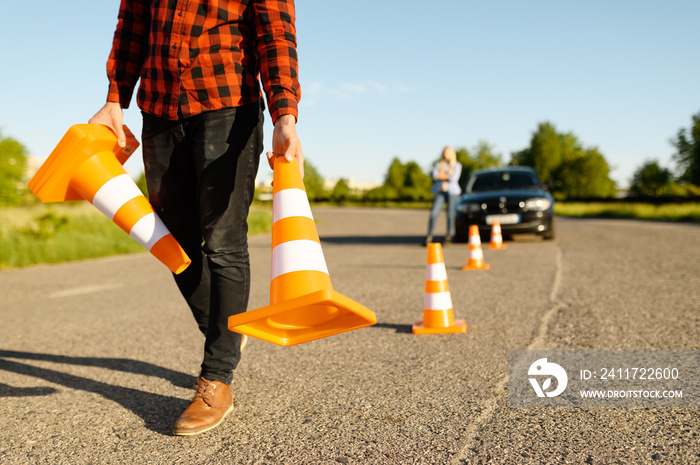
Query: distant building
x=33 y=165
x=263 y=189
x=356 y=187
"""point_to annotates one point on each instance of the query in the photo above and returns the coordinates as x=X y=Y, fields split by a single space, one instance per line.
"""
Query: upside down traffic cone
x=303 y=305
x=496 y=237
x=475 y=256
x=87 y=165
x=438 y=316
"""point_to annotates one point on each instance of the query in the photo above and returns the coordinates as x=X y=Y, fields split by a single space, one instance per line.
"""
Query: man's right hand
x=111 y=115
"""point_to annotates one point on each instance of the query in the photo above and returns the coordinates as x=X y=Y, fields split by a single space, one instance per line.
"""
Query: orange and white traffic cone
x=303 y=305
x=438 y=316
x=475 y=256
x=87 y=165
x=496 y=237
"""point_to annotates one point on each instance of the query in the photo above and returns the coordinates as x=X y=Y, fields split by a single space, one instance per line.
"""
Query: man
x=198 y=63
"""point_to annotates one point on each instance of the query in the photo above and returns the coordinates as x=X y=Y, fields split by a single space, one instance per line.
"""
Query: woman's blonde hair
x=449 y=154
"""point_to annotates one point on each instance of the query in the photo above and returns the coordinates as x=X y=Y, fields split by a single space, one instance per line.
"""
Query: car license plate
x=510 y=218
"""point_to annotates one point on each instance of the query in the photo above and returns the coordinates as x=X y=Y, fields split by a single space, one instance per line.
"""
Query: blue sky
x=387 y=78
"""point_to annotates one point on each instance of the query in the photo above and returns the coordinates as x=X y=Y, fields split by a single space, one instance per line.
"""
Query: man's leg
x=226 y=146
x=204 y=189
x=172 y=182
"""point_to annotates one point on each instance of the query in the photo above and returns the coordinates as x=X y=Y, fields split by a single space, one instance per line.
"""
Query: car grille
x=495 y=207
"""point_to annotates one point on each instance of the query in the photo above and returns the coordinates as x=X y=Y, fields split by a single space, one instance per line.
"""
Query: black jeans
x=201 y=173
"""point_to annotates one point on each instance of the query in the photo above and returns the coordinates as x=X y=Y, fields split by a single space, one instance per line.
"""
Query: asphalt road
x=98 y=358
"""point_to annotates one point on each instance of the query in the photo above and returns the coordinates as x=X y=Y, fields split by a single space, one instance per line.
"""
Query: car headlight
x=469 y=207
x=538 y=204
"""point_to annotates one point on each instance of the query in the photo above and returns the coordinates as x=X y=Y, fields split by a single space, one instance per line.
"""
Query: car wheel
x=548 y=235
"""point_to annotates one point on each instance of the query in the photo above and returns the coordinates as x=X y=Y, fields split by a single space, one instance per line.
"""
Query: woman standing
x=446 y=188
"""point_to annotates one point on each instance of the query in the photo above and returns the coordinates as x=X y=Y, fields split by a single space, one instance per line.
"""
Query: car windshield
x=503 y=180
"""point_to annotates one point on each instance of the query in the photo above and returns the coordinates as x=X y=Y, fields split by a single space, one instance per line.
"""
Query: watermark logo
x=603 y=378
x=542 y=368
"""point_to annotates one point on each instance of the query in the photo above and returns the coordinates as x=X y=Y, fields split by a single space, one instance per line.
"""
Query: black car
x=513 y=195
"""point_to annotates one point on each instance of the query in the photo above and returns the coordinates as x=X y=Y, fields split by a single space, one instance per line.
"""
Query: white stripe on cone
x=435 y=272
x=290 y=202
x=476 y=254
x=114 y=193
x=437 y=301
x=149 y=230
x=298 y=255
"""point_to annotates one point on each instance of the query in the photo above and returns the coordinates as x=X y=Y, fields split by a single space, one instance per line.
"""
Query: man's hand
x=285 y=142
x=111 y=116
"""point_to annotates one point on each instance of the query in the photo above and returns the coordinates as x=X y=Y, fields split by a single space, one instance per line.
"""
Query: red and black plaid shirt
x=202 y=55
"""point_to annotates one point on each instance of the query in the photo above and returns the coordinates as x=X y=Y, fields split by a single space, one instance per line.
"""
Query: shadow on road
x=374 y=240
x=117 y=364
x=10 y=391
x=157 y=411
x=400 y=328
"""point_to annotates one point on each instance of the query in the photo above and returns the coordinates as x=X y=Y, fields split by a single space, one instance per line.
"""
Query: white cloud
x=316 y=91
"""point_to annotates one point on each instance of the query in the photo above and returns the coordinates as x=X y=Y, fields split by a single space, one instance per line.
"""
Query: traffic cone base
x=87 y=165
x=52 y=181
x=478 y=266
x=459 y=326
x=502 y=246
x=303 y=305
x=302 y=319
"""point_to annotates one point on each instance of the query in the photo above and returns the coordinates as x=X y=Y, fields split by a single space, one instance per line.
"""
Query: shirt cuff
x=281 y=107
x=118 y=94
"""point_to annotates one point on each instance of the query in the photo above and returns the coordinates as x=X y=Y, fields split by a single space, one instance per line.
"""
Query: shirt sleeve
x=276 y=47
x=455 y=188
x=456 y=173
x=436 y=171
x=128 y=50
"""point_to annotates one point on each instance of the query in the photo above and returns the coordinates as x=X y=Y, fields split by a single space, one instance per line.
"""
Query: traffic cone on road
x=475 y=256
x=496 y=237
x=87 y=165
x=303 y=305
x=438 y=316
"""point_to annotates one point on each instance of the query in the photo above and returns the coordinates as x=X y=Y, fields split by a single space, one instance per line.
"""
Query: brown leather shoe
x=212 y=402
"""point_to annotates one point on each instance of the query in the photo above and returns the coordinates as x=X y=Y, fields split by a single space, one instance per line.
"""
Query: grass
x=56 y=233
x=689 y=212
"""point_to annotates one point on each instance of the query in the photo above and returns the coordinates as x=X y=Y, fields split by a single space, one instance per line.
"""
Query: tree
x=341 y=191
x=544 y=153
x=13 y=166
x=396 y=175
x=403 y=182
x=651 y=179
x=482 y=156
x=313 y=182
x=466 y=161
x=416 y=183
x=587 y=175
x=563 y=163
x=687 y=157
x=393 y=181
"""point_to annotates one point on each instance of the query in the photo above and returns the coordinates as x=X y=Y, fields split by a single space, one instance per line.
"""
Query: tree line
x=568 y=168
